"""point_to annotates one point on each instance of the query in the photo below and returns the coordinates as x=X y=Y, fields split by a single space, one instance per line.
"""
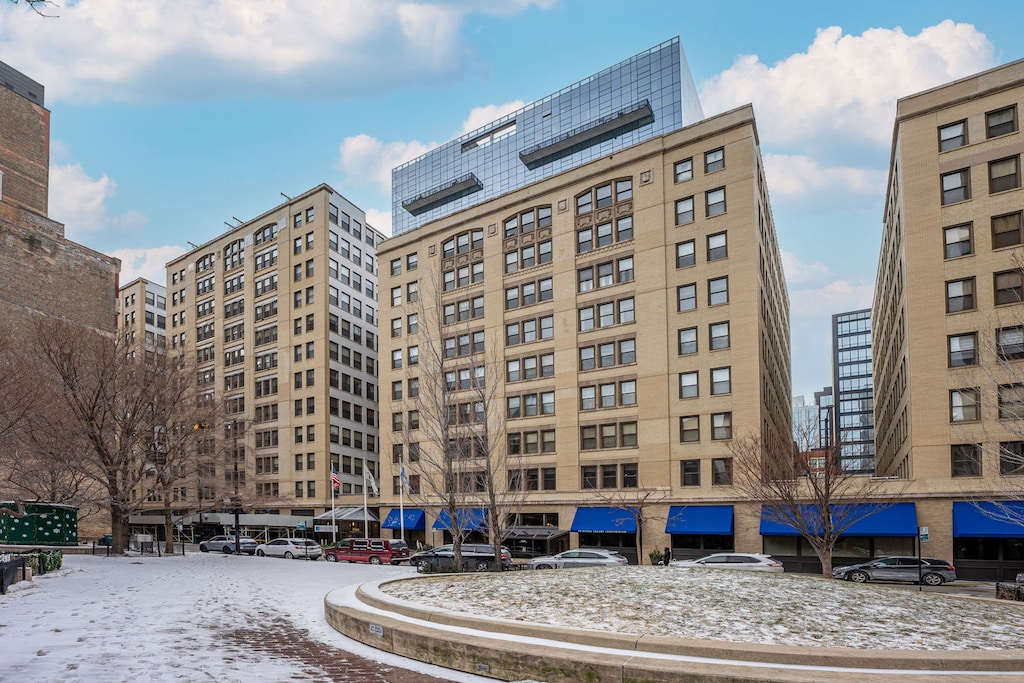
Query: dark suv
x=927 y=570
x=477 y=556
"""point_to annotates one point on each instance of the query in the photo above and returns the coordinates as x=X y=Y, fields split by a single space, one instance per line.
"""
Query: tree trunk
x=825 y=557
x=168 y=527
x=118 y=531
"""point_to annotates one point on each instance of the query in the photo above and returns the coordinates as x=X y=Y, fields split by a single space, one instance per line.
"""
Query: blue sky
x=171 y=117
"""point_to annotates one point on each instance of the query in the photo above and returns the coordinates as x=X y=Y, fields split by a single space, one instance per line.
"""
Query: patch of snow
x=715 y=604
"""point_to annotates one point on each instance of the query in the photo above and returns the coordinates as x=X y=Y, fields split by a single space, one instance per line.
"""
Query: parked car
x=478 y=556
x=1020 y=577
x=928 y=570
x=581 y=557
x=226 y=544
x=372 y=550
x=288 y=548
x=757 y=562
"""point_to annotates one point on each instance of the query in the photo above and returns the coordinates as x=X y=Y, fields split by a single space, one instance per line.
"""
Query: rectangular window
x=717 y=248
x=714 y=160
x=687 y=341
x=721 y=381
x=718 y=291
x=1011 y=401
x=588 y=477
x=1001 y=121
x=958 y=240
x=609 y=476
x=689 y=429
x=1010 y=342
x=684 y=170
x=956 y=186
x=960 y=295
x=1011 y=458
x=688 y=385
x=721 y=471
x=962 y=350
x=1003 y=174
x=689 y=472
x=715 y=202
x=964 y=405
x=687 y=297
x=718 y=334
x=721 y=426
x=684 y=211
x=952 y=136
x=965 y=459
x=685 y=255
x=1008 y=288
x=1006 y=230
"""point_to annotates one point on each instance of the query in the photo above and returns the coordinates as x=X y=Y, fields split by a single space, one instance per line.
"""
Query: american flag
x=335 y=479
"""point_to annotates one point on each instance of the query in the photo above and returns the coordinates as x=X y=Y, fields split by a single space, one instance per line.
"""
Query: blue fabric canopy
x=988 y=520
x=604 y=519
x=415 y=519
x=469 y=519
x=699 y=519
x=899 y=519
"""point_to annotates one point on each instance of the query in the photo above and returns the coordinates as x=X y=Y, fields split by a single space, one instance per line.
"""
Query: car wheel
x=331 y=558
x=374 y=559
x=260 y=553
x=857 y=577
x=203 y=549
x=288 y=555
x=227 y=550
x=481 y=565
x=543 y=566
x=932 y=579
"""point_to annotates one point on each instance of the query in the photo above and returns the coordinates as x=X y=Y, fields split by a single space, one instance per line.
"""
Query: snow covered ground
x=716 y=604
x=180 y=619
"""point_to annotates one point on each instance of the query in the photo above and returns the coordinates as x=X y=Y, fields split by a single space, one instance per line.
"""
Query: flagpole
x=366 y=514
x=401 y=497
x=334 y=511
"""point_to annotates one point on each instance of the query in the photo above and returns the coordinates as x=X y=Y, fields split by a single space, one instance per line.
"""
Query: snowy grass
x=746 y=607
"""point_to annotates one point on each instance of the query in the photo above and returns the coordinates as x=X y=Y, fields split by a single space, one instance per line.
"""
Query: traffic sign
x=923 y=534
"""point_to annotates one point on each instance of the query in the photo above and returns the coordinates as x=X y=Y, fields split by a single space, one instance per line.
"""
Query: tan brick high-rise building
x=142 y=315
x=280 y=314
x=637 y=309
x=948 y=325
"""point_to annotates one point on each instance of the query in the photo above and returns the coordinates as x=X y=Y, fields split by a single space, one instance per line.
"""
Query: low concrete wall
x=512 y=650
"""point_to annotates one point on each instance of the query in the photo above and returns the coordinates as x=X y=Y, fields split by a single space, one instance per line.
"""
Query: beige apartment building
x=636 y=311
x=142 y=315
x=280 y=314
x=948 y=325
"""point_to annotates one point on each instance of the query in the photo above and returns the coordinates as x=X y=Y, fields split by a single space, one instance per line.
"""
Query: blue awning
x=415 y=519
x=469 y=519
x=604 y=519
x=699 y=520
x=988 y=520
x=899 y=519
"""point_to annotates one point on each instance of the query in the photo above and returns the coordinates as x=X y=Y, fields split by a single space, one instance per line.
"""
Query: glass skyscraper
x=854 y=390
x=642 y=97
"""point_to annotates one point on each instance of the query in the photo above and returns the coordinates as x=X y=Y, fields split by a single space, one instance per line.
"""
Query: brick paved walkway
x=278 y=637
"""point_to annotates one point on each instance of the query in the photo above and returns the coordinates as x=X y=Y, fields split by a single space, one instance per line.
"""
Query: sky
x=170 y=119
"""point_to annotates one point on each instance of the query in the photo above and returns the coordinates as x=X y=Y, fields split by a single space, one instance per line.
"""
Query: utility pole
x=235 y=501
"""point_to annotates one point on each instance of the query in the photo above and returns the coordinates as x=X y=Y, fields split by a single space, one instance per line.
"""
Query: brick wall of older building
x=43 y=273
x=24 y=150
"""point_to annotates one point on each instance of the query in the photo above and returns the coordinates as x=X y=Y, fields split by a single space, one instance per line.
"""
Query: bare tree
x=638 y=505
x=113 y=396
x=459 y=448
x=808 y=491
x=38 y=6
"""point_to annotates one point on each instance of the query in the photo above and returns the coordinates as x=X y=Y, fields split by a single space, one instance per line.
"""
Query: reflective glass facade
x=854 y=389
x=645 y=96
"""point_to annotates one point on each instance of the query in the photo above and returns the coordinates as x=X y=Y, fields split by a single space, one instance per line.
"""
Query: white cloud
x=834 y=297
x=147 y=263
x=178 y=49
x=799 y=273
x=366 y=159
x=844 y=88
x=380 y=220
x=481 y=116
x=797 y=175
x=79 y=201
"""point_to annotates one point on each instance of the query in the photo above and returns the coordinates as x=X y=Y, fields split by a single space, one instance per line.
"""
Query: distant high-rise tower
x=854 y=394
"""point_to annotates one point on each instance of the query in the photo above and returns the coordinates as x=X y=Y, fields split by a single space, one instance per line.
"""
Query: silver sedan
x=288 y=548
x=580 y=558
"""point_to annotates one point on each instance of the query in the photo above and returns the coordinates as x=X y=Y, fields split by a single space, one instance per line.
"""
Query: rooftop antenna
x=193 y=245
x=238 y=220
x=285 y=196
